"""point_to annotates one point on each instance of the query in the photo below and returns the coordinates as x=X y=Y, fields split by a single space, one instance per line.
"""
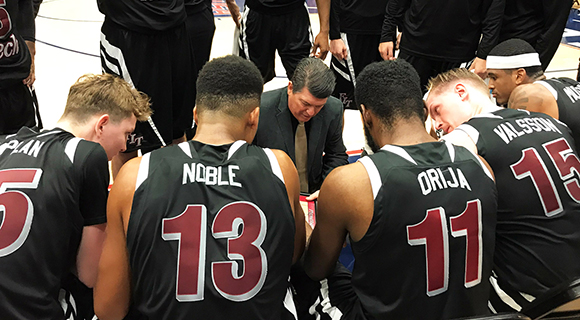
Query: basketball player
x=422 y=222
x=533 y=157
x=267 y=26
x=17 y=49
x=209 y=228
x=355 y=33
x=147 y=44
x=516 y=79
x=53 y=192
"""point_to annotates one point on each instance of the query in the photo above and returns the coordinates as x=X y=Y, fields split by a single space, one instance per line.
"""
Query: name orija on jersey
x=211 y=176
x=508 y=132
x=436 y=179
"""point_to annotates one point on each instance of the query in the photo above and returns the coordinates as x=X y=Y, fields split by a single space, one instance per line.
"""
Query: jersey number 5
x=432 y=232
x=189 y=228
x=5 y=24
x=566 y=162
x=16 y=209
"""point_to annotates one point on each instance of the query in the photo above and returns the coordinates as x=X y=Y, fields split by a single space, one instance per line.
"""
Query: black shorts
x=200 y=28
x=261 y=35
x=429 y=68
x=159 y=64
x=363 y=49
x=17 y=108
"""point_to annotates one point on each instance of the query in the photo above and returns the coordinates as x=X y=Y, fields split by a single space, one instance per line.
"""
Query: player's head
x=311 y=85
x=103 y=108
x=229 y=89
x=390 y=91
x=509 y=64
x=454 y=97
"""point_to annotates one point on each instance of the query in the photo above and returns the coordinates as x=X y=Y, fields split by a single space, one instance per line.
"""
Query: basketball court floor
x=68 y=33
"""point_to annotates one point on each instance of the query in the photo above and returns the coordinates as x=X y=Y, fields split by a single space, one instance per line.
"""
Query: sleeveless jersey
x=144 y=16
x=567 y=94
x=14 y=55
x=51 y=186
x=428 y=251
x=211 y=233
x=538 y=230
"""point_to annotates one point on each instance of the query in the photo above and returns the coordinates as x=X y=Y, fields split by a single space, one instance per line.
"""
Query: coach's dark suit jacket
x=275 y=131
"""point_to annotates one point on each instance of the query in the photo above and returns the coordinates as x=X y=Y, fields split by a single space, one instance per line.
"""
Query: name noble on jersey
x=507 y=132
x=434 y=179
x=31 y=148
x=211 y=176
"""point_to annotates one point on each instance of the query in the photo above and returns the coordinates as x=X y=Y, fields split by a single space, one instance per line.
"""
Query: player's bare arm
x=340 y=211
x=112 y=291
x=321 y=41
x=460 y=138
x=533 y=97
x=293 y=188
x=89 y=253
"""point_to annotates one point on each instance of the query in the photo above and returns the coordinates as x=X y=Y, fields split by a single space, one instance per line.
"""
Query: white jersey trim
x=349 y=63
x=235 y=147
x=289 y=304
x=504 y=296
x=276 y=169
x=374 y=175
x=184 y=146
x=549 y=87
x=71 y=148
x=451 y=150
x=470 y=131
x=400 y=152
x=143 y=172
x=332 y=311
x=117 y=54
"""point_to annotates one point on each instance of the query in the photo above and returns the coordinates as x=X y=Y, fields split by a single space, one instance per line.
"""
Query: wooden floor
x=68 y=33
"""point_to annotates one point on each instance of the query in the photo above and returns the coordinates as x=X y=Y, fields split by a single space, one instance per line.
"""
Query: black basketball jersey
x=428 y=251
x=567 y=94
x=14 y=55
x=211 y=233
x=144 y=16
x=275 y=7
x=536 y=171
x=51 y=186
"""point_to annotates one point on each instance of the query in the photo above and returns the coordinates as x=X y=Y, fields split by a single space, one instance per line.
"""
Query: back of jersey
x=428 y=251
x=211 y=233
x=536 y=170
x=42 y=197
x=567 y=94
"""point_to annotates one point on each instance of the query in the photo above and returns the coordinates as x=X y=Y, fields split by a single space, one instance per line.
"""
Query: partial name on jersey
x=573 y=92
x=434 y=179
x=508 y=132
x=211 y=176
x=31 y=147
x=9 y=48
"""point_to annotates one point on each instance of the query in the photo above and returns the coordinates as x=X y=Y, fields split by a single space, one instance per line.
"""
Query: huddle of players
x=210 y=227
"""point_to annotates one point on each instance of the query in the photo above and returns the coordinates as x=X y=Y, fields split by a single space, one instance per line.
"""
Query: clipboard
x=309 y=208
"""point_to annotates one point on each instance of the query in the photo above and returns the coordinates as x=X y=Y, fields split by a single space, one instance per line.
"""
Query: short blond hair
x=105 y=94
x=453 y=76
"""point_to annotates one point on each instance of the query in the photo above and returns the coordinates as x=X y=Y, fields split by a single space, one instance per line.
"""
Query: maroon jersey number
x=5 y=24
x=16 y=209
x=566 y=162
x=189 y=228
x=432 y=232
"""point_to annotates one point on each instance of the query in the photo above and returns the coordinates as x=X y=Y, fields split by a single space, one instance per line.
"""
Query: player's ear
x=366 y=116
x=520 y=76
x=461 y=90
x=101 y=122
x=254 y=118
x=195 y=114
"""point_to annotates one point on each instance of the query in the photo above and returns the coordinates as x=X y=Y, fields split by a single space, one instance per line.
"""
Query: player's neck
x=405 y=132
x=83 y=132
x=219 y=133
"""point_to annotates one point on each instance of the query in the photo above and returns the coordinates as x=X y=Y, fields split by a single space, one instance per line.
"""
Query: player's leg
x=424 y=68
x=294 y=38
x=17 y=108
x=255 y=41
